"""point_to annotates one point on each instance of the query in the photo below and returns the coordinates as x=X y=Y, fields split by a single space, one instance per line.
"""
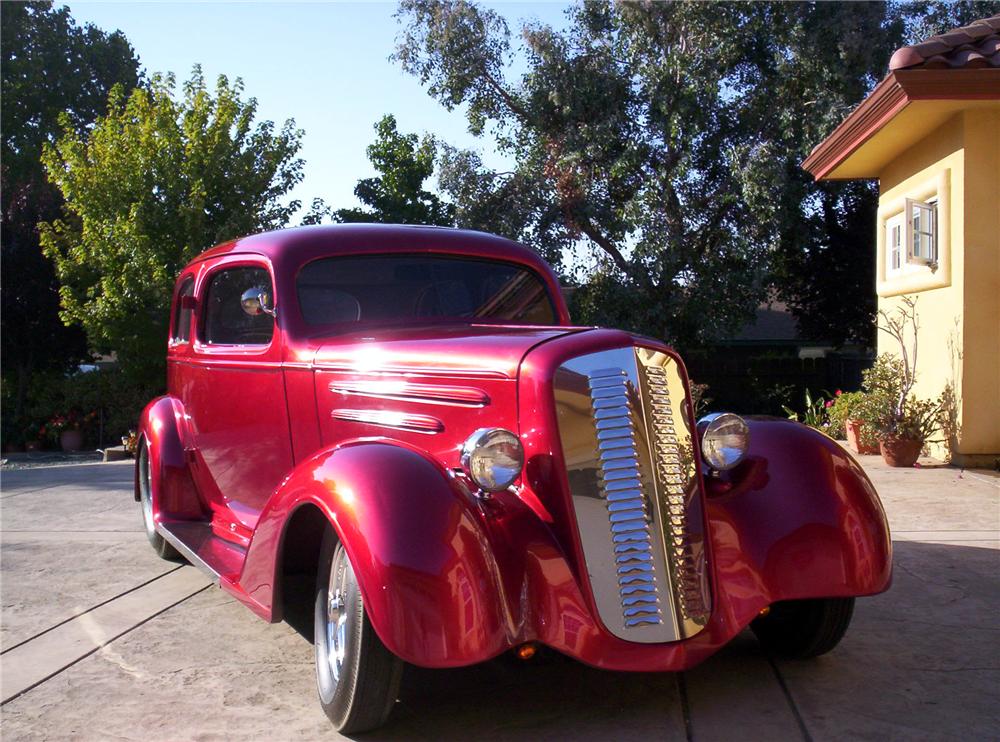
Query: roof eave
x=892 y=95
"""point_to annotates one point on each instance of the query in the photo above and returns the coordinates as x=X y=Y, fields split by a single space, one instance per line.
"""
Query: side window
x=225 y=321
x=182 y=314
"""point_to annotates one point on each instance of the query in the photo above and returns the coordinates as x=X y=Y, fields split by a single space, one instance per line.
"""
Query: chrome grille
x=629 y=455
x=620 y=483
x=674 y=471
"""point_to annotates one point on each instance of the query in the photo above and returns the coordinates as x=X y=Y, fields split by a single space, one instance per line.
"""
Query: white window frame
x=921 y=232
x=894 y=244
x=932 y=188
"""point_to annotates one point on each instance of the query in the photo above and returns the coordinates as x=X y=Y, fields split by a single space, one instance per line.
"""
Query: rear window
x=182 y=314
x=384 y=288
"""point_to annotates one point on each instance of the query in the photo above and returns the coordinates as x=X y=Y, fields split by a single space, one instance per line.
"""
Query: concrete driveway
x=102 y=640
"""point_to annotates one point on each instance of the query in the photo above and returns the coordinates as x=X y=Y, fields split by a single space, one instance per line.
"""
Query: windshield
x=384 y=288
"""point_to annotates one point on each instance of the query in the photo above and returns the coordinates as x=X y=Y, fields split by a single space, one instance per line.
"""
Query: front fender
x=415 y=539
x=798 y=519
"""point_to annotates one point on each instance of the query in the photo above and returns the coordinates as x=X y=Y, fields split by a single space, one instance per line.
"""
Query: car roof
x=290 y=248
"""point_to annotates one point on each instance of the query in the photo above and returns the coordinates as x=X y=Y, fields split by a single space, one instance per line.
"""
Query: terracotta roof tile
x=974 y=46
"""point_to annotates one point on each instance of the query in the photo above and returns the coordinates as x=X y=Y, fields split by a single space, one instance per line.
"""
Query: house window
x=894 y=242
x=921 y=232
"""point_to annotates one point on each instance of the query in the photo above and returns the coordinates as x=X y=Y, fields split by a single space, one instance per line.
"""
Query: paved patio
x=102 y=640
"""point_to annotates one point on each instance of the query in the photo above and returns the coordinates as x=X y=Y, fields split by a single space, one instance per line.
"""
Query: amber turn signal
x=526 y=651
x=764 y=611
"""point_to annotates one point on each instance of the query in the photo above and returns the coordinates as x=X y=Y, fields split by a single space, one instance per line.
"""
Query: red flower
x=837 y=393
x=829 y=403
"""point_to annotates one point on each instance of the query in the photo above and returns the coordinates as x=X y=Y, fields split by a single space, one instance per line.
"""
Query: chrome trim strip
x=461 y=396
x=391 y=419
x=186 y=551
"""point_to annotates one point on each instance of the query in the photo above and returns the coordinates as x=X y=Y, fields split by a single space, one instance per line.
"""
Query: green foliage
x=622 y=137
x=889 y=410
x=668 y=138
x=845 y=407
x=50 y=66
x=104 y=404
x=157 y=180
x=815 y=413
x=397 y=195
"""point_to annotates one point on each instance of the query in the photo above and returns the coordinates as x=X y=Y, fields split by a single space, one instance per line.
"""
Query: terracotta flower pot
x=901 y=451
x=71 y=440
x=854 y=438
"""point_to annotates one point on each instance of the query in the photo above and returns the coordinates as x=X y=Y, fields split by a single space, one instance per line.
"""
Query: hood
x=460 y=350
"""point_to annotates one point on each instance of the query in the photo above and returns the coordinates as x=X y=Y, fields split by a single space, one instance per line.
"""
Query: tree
x=50 y=66
x=668 y=137
x=626 y=128
x=156 y=181
x=824 y=59
x=397 y=195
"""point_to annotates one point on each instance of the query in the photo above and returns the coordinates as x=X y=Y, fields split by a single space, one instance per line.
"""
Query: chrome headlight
x=493 y=457
x=725 y=439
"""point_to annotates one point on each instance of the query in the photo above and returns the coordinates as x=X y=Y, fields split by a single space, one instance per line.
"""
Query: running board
x=219 y=559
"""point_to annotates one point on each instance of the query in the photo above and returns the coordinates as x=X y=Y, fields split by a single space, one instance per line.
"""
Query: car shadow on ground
x=891 y=652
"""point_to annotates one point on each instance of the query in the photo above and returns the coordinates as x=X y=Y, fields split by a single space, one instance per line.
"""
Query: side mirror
x=257 y=300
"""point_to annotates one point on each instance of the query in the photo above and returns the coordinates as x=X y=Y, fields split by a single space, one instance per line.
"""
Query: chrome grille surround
x=629 y=456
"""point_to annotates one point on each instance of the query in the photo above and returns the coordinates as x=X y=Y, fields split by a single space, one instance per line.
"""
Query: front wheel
x=160 y=545
x=357 y=677
x=800 y=629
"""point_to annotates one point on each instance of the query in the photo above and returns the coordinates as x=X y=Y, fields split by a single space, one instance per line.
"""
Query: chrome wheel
x=145 y=472
x=356 y=676
x=146 y=490
x=336 y=614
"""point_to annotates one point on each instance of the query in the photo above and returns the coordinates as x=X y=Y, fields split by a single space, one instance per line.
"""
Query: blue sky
x=324 y=64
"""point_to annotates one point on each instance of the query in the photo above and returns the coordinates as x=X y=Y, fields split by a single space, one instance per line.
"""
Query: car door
x=235 y=397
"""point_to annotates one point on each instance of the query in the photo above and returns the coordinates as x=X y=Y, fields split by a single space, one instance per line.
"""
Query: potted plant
x=845 y=420
x=902 y=423
x=67 y=429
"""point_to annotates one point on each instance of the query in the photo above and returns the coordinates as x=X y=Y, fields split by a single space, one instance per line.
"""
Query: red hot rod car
x=407 y=416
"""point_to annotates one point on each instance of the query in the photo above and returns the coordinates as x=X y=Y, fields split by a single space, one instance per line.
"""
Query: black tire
x=357 y=691
x=147 y=493
x=800 y=629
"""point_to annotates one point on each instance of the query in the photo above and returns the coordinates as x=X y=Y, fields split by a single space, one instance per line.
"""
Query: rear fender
x=798 y=519
x=161 y=426
x=415 y=538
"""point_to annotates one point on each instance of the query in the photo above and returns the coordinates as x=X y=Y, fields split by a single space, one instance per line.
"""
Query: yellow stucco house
x=930 y=133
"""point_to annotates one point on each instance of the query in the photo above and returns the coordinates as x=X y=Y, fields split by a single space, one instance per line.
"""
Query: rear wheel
x=799 y=629
x=357 y=677
x=160 y=545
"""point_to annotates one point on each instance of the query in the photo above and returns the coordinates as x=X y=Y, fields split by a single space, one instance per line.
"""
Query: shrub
x=105 y=404
x=846 y=406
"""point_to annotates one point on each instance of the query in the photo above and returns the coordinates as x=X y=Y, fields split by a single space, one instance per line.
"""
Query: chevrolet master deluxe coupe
x=406 y=417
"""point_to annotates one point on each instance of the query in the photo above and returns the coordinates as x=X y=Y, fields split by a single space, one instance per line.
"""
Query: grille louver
x=620 y=482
